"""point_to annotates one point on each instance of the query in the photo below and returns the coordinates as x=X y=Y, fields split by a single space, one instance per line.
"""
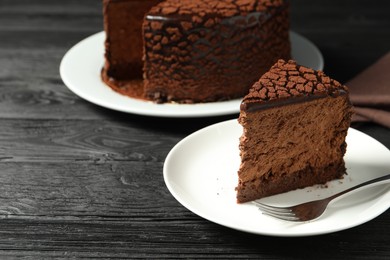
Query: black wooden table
x=78 y=180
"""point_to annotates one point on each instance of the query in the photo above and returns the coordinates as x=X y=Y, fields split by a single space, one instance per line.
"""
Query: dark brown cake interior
x=122 y=70
x=295 y=122
x=124 y=43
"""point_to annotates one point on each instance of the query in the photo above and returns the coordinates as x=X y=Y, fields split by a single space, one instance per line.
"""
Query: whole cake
x=295 y=121
x=191 y=51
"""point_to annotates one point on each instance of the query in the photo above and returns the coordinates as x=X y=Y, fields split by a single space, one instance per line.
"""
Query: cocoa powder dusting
x=288 y=79
x=212 y=50
x=133 y=88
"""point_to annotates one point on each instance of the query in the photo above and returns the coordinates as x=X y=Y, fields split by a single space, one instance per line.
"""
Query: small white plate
x=81 y=65
x=201 y=173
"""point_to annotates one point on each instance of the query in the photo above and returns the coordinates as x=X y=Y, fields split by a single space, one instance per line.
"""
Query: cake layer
x=264 y=187
x=201 y=51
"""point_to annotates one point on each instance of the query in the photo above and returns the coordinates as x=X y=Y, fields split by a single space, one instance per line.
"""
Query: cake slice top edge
x=289 y=82
x=223 y=8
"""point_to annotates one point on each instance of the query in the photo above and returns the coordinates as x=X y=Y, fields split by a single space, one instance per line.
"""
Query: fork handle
x=376 y=180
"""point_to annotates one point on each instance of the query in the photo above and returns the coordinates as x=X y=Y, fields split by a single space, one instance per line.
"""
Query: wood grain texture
x=81 y=181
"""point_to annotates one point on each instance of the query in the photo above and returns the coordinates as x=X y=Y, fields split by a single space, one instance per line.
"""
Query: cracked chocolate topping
x=287 y=82
x=201 y=8
x=203 y=51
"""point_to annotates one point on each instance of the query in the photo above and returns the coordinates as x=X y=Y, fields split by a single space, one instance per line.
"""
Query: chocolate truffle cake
x=295 y=121
x=193 y=50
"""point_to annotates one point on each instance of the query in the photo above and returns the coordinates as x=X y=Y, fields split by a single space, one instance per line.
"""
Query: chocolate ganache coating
x=288 y=82
x=201 y=51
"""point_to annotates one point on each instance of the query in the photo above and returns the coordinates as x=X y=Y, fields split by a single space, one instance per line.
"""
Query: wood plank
x=81 y=140
x=94 y=190
x=31 y=87
x=190 y=238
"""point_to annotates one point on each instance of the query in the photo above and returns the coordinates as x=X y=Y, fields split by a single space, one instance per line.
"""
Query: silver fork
x=309 y=210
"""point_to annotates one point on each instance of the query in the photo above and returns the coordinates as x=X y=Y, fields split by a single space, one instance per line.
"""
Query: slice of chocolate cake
x=295 y=121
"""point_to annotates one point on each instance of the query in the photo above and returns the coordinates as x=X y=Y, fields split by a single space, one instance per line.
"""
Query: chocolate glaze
x=234 y=24
x=204 y=51
x=258 y=106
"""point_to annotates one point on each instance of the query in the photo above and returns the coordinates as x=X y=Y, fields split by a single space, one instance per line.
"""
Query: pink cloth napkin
x=370 y=93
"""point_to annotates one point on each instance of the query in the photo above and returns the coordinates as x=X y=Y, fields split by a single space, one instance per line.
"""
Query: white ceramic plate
x=201 y=173
x=81 y=65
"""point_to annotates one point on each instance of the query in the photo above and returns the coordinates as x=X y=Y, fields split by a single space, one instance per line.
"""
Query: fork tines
x=277 y=212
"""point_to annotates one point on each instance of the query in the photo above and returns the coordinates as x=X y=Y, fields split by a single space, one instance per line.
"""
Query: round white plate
x=81 y=65
x=201 y=173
